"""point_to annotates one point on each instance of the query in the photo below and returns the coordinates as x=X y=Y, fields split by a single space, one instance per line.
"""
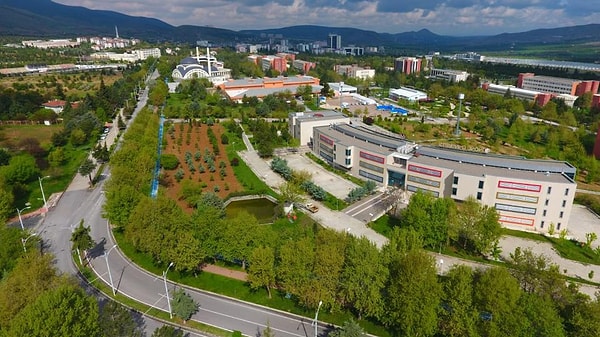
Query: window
x=544 y=213
x=453 y=190
x=334 y=147
x=549 y=189
x=558 y=226
x=347 y=161
x=564 y=203
x=542 y=224
x=479 y=195
x=566 y=191
x=561 y=214
x=455 y=180
x=348 y=152
x=547 y=201
x=481 y=184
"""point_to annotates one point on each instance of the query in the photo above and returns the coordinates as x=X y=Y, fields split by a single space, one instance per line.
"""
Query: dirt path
x=235 y=274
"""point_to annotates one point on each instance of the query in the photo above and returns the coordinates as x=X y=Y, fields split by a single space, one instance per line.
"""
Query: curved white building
x=201 y=66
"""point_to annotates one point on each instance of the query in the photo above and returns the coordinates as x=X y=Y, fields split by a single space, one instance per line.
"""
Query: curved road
x=79 y=202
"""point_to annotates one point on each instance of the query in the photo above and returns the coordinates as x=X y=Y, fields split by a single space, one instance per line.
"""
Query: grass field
x=10 y=135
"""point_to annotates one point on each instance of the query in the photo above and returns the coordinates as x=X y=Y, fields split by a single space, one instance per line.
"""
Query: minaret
x=116 y=32
x=208 y=62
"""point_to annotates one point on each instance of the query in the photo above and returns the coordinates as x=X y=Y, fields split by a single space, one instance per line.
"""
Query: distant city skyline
x=443 y=17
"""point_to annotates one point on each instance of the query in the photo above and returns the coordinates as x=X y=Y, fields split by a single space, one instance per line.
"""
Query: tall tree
x=32 y=275
x=87 y=168
x=497 y=294
x=81 y=238
x=183 y=305
x=458 y=317
x=478 y=226
x=350 y=328
x=413 y=295
x=64 y=311
x=294 y=265
x=363 y=277
x=261 y=272
x=116 y=321
x=167 y=331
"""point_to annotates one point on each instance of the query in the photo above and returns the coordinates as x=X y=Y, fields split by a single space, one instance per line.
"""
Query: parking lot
x=320 y=176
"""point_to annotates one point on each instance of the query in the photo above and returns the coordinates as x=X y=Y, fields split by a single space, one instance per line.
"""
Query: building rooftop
x=325 y=114
x=480 y=170
x=551 y=79
x=528 y=166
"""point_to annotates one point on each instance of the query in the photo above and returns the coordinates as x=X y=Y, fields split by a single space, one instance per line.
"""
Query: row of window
x=370 y=166
x=481 y=183
x=371 y=176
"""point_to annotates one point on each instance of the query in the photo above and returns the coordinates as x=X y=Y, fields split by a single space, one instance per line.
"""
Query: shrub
x=179 y=175
x=235 y=161
x=169 y=161
x=216 y=188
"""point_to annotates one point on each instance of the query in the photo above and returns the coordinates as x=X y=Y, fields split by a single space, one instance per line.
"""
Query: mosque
x=202 y=66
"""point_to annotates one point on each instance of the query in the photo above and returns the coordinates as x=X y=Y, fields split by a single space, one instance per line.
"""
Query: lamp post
x=24 y=241
x=19 y=212
x=42 y=188
x=341 y=90
x=167 y=289
x=316 y=321
x=461 y=96
x=112 y=285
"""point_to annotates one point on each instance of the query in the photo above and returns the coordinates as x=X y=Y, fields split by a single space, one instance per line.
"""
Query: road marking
x=251 y=322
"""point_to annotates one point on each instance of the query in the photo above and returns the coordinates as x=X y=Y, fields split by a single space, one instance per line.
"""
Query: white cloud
x=448 y=17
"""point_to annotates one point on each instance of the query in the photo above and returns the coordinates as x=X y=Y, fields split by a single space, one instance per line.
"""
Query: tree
x=294 y=267
x=261 y=272
x=64 y=311
x=77 y=137
x=413 y=295
x=116 y=321
x=10 y=249
x=21 y=169
x=57 y=157
x=350 y=328
x=496 y=296
x=183 y=305
x=167 y=331
x=291 y=192
x=431 y=217
x=87 y=168
x=6 y=202
x=363 y=277
x=32 y=275
x=458 y=317
x=268 y=331
x=478 y=226
x=544 y=319
x=585 y=320
x=536 y=273
x=81 y=238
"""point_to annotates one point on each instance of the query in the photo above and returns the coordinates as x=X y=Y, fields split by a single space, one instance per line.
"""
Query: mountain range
x=46 y=19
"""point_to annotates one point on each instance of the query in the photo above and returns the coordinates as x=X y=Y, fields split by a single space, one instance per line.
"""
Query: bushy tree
x=183 y=305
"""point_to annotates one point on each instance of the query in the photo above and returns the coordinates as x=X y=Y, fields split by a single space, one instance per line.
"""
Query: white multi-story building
x=527 y=194
x=354 y=71
x=301 y=124
x=453 y=76
x=133 y=56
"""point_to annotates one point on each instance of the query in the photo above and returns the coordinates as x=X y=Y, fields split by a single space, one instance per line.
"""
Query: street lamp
x=42 y=188
x=24 y=241
x=167 y=289
x=461 y=96
x=112 y=285
x=19 y=212
x=316 y=321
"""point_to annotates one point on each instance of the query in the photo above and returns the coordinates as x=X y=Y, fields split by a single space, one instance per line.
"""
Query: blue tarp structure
x=392 y=109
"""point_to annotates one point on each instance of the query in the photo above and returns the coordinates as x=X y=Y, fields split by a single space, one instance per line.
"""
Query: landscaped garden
x=201 y=161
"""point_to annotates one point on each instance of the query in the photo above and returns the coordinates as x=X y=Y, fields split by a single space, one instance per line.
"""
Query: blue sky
x=445 y=17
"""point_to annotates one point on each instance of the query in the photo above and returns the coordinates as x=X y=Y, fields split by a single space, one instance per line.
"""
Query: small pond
x=263 y=209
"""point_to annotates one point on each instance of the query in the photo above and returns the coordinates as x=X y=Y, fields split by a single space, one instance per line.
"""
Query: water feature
x=261 y=208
